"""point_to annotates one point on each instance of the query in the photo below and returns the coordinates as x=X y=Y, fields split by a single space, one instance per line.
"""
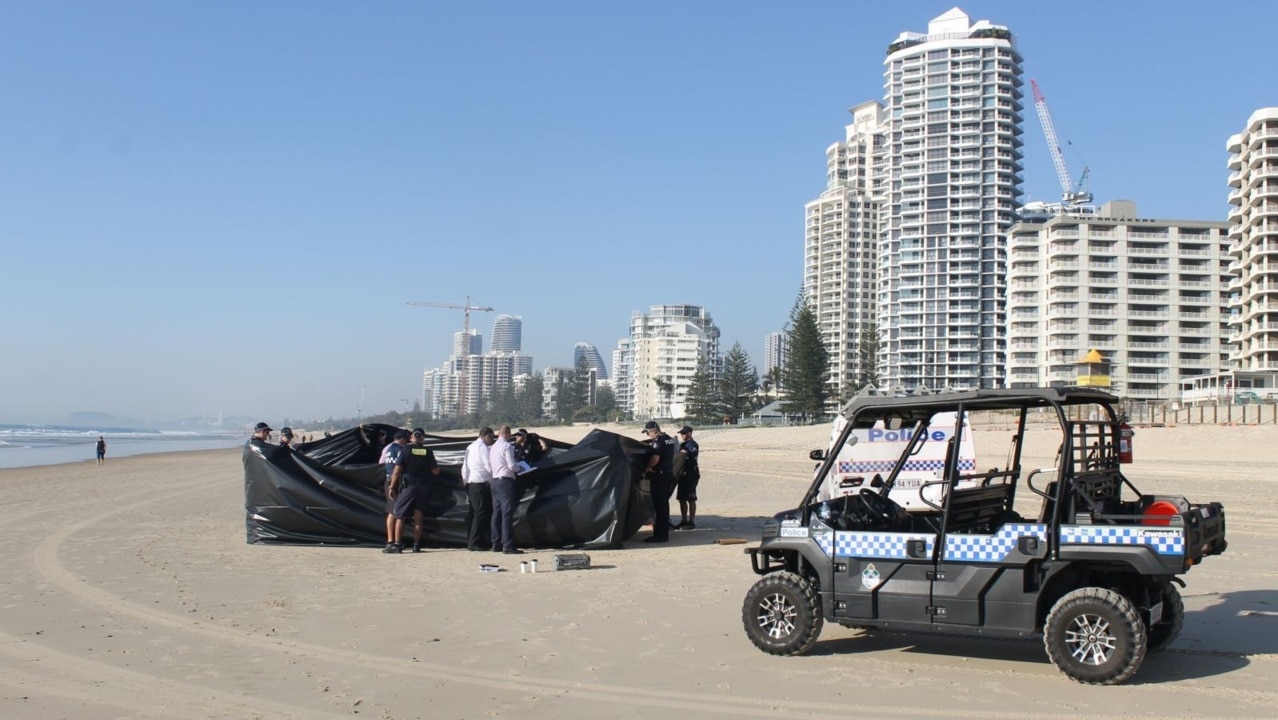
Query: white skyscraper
x=508 y=331
x=774 y=352
x=1148 y=295
x=1253 y=234
x=953 y=162
x=840 y=245
x=661 y=355
x=593 y=359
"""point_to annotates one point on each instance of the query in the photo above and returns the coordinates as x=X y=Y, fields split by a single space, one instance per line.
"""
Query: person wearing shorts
x=416 y=464
x=689 y=475
x=390 y=454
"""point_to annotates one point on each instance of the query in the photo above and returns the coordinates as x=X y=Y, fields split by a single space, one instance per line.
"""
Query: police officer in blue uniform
x=414 y=467
x=689 y=475
x=660 y=471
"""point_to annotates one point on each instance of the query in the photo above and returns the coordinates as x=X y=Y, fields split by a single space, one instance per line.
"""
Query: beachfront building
x=661 y=355
x=508 y=333
x=587 y=352
x=479 y=377
x=1253 y=236
x=1149 y=295
x=953 y=157
x=841 y=232
x=622 y=387
x=774 y=353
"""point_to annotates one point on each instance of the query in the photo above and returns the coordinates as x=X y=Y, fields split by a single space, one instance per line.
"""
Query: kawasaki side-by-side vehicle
x=1068 y=549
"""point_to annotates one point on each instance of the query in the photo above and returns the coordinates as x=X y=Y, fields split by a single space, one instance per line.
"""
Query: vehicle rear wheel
x=782 y=614
x=1163 y=632
x=1095 y=636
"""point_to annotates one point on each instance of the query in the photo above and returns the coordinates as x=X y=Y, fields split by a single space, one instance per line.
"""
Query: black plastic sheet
x=331 y=491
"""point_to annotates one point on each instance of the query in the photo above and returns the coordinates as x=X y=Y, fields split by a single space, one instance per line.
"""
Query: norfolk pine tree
x=701 y=400
x=738 y=384
x=807 y=368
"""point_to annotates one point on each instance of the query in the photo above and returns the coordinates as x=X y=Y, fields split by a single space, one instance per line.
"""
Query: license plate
x=1155 y=613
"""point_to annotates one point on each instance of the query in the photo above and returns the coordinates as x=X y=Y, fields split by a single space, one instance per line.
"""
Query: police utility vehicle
x=1089 y=562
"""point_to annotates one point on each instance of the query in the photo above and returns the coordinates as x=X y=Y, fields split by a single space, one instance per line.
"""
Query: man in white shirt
x=501 y=463
x=477 y=476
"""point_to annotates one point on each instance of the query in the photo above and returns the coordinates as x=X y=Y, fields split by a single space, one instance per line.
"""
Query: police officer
x=689 y=475
x=390 y=454
x=408 y=487
x=660 y=470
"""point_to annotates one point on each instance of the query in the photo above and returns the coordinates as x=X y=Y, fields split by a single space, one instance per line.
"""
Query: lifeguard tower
x=1093 y=370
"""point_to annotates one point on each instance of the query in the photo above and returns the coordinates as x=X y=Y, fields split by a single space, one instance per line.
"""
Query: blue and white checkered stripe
x=885 y=545
x=885 y=466
x=825 y=541
x=991 y=548
x=1164 y=541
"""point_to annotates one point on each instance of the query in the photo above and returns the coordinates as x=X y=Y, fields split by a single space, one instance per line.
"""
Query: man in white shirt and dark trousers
x=477 y=476
x=501 y=463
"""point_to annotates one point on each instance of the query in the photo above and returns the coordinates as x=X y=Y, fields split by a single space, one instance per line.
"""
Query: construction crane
x=1072 y=195
x=461 y=389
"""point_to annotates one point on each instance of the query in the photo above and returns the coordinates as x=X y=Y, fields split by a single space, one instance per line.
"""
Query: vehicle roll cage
x=898 y=412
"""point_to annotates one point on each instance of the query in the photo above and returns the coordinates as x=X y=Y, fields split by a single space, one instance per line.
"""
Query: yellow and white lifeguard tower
x=1093 y=370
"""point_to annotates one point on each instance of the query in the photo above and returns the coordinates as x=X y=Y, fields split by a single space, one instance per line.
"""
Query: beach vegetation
x=738 y=385
x=807 y=369
x=702 y=400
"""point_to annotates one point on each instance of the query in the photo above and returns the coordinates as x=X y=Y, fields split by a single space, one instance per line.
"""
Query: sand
x=128 y=591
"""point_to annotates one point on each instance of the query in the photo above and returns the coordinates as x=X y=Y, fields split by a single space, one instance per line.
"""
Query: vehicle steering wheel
x=879 y=507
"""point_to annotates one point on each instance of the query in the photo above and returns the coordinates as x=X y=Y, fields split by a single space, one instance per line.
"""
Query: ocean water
x=31 y=445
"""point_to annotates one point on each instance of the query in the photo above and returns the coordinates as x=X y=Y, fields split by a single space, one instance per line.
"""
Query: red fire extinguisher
x=1125 y=433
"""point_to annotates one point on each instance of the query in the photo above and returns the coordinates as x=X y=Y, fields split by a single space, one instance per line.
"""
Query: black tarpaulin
x=330 y=491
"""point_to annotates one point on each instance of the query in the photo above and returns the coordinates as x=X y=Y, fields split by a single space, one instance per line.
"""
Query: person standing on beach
x=286 y=438
x=501 y=463
x=261 y=435
x=101 y=450
x=477 y=477
x=660 y=471
x=529 y=447
x=689 y=475
x=390 y=455
x=414 y=467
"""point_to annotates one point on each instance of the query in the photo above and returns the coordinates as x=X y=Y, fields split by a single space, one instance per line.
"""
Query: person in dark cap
x=286 y=437
x=414 y=467
x=529 y=447
x=390 y=454
x=689 y=475
x=660 y=473
x=261 y=433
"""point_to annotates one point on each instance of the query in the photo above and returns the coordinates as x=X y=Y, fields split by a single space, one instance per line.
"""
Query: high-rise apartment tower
x=953 y=163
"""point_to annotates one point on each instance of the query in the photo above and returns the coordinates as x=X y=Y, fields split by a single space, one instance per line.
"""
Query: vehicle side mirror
x=817 y=455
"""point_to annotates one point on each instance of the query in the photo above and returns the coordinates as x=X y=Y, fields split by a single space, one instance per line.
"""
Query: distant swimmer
x=101 y=449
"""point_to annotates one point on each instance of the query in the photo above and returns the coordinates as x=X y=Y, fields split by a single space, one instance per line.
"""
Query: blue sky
x=223 y=206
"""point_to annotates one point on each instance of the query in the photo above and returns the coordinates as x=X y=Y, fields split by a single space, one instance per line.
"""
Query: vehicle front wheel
x=1095 y=636
x=1164 y=631
x=782 y=614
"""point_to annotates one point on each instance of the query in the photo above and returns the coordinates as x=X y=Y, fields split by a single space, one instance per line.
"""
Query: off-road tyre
x=1162 y=633
x=1095 y=636
x=782 y=614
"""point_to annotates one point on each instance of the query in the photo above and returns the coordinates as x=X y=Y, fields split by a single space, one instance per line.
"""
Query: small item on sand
x=489 y=568
x=572 y=561
x=732 y=541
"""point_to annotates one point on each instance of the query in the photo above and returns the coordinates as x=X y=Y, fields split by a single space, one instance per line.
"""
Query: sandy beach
x=129 y=591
